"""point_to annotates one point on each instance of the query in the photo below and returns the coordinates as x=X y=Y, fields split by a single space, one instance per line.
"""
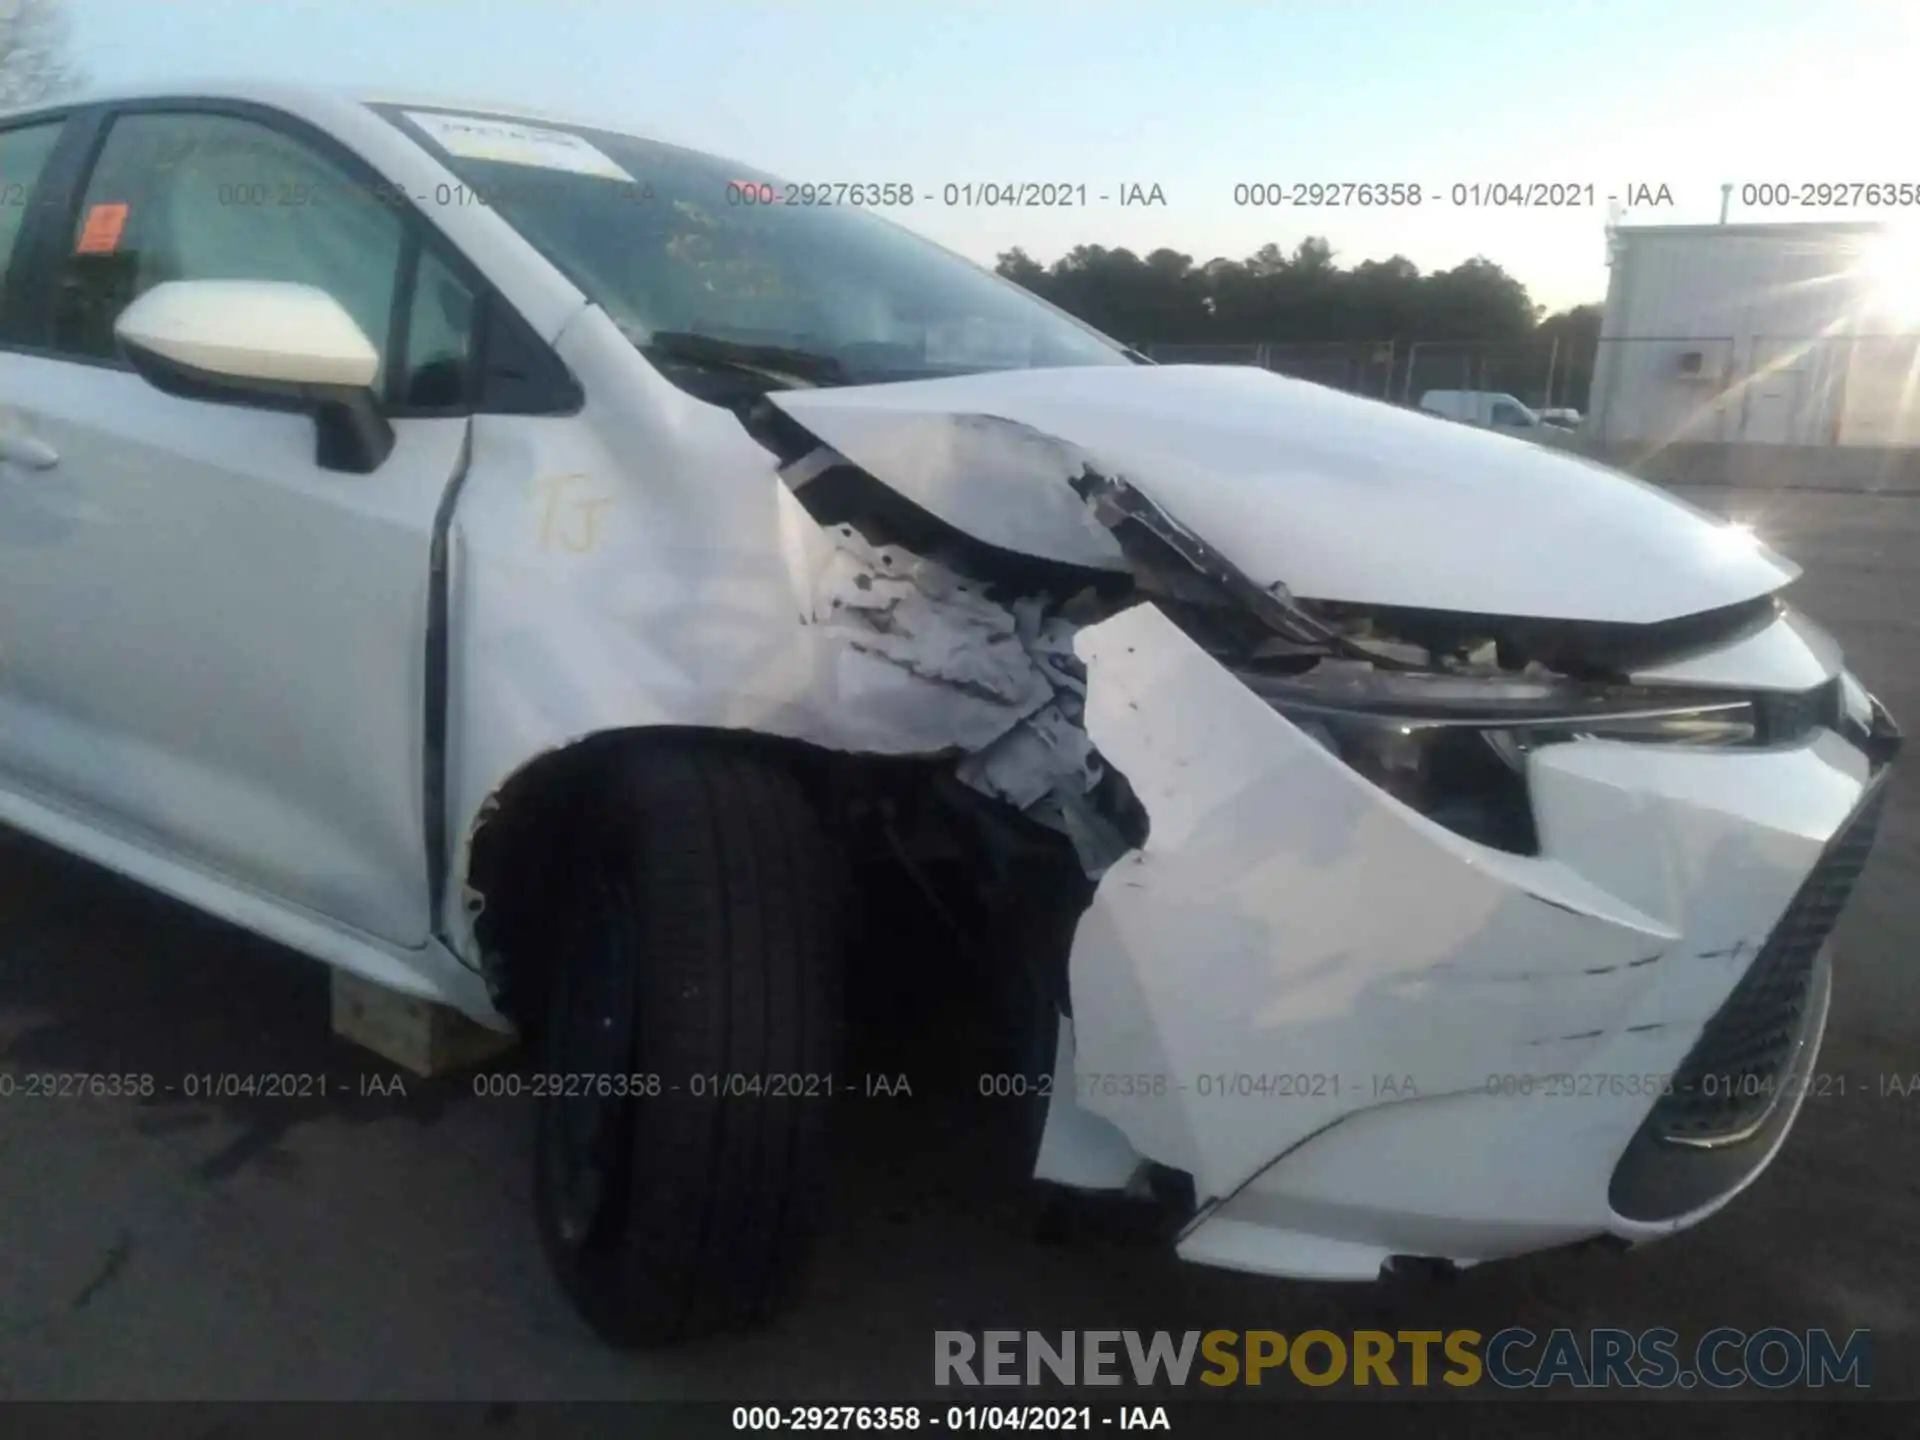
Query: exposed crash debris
x=1015 y=690
x=950 y=555
x=916 y=613
x=1043 y=751
x=1001 y=478
x=947 y=467
x=1011 y=692
x=1050 y=747
x=1005 y=484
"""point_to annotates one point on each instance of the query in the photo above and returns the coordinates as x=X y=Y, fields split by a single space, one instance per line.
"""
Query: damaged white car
x=530 y=567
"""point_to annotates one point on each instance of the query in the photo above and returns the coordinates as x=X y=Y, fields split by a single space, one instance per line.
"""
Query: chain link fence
x=1539 y=374
x=1761 y=412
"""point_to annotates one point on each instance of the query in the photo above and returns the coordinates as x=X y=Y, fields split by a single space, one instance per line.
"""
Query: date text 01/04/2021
x=1206 y=1085
x=703 y=1085
x=195 y=1085
x=1467 y=195
x=1003 y=194
x=1042 y=1418
x=275 y=195
x=1008 y=194
x=1315 y=1085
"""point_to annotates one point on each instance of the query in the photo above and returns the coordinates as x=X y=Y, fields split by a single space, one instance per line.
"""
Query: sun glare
x=1890 y=268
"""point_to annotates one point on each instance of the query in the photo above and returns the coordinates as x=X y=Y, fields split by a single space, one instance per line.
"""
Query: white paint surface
x=1789 y=653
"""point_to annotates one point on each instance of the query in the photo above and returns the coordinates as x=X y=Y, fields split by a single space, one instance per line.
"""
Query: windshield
x=706 y=264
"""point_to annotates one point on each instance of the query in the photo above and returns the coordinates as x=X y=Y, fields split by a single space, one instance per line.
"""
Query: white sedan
x=533 y=568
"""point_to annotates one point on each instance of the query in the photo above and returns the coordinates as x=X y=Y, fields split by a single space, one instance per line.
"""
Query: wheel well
x=523 y=843
x=924 y=855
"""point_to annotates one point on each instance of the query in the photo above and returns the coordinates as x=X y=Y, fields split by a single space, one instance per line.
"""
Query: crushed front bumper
x=1364 y=1036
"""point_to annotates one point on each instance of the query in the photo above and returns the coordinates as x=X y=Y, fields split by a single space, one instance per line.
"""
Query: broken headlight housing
x=1454 y=746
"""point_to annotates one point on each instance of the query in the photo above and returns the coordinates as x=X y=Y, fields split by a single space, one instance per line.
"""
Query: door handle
x=28 y=453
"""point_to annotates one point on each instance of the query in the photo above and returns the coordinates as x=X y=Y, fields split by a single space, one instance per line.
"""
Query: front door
x=209 y=643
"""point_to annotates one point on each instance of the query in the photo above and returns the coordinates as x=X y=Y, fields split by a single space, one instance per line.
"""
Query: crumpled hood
x=1335 y=497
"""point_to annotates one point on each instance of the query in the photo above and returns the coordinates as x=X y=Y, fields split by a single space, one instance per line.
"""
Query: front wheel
x=695 y=991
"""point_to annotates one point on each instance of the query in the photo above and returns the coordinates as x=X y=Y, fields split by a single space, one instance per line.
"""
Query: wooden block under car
x=424 y=1037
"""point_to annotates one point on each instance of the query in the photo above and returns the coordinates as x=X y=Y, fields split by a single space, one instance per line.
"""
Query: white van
x=1491 y=409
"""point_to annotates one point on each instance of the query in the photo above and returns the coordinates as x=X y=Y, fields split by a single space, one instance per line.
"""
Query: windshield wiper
x=775 y=362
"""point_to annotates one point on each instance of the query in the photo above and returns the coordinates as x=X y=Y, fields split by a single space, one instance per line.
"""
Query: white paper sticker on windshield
x=511 y=142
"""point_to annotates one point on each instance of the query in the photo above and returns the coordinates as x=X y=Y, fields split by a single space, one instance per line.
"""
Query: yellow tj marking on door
x=570 y=512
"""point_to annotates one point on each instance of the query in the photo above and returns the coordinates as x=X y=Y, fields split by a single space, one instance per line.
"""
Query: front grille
x=1731 y=1078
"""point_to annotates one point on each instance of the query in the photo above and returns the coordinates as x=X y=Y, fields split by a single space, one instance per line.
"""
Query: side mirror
x=264 y=343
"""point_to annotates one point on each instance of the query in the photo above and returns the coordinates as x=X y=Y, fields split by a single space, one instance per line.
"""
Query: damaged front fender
x=1292 y=945
x=589 y=594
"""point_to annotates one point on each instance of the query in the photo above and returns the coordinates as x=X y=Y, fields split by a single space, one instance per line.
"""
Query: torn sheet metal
x=917 y=615
x=999 y=481
x=1335 y=496
x=1048 y=751
x=1289 y=927
x=1025 y=765
x=1004 y=679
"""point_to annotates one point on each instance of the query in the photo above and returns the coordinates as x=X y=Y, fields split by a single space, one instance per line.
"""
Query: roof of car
x=307 y=99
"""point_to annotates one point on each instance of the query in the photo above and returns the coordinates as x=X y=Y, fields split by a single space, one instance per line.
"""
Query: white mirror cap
x=252 y=330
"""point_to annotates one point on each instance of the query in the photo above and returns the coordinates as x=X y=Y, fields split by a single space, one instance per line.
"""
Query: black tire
x=699 y=939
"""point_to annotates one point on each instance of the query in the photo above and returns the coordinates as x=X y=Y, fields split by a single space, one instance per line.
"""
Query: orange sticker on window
x=101 y=234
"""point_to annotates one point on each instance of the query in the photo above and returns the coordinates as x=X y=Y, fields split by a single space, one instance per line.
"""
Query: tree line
x=34 y=63
x=1473 y=322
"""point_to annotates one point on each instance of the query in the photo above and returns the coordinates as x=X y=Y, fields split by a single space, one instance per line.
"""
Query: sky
x=1196 y=97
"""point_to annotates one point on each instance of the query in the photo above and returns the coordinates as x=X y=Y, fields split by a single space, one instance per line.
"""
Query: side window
x=1505 y=414
x=23 y=155
x=211 y=197
x=436 y=372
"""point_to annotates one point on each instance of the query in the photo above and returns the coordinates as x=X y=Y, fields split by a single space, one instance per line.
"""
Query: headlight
x=1454 y=747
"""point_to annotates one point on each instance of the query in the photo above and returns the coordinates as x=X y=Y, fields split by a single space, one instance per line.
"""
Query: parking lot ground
x=376 y=1244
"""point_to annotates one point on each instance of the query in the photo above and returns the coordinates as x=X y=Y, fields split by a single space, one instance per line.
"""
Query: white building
x=1770 y=334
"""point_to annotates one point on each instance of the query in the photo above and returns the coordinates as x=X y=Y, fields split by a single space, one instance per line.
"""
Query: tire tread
x=717 y=854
